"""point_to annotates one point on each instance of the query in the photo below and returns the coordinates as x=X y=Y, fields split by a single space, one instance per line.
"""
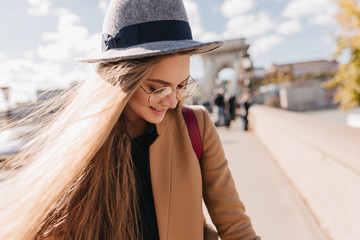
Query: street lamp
x=6 y=92
x=247 y=67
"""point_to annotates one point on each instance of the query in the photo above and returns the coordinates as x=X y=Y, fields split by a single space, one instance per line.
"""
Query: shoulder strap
x=193 y=129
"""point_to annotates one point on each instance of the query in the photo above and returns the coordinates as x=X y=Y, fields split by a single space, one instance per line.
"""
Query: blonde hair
x=74 y=179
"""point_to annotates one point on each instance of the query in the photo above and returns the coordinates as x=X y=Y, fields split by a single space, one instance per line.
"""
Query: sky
x=41 y=38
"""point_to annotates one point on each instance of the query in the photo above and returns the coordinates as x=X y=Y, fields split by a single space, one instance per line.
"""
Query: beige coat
x=179 y=182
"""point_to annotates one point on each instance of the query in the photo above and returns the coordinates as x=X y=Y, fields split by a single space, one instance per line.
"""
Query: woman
x=115 y=160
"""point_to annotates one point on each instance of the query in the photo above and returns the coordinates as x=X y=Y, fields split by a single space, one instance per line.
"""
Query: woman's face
x=171 y=72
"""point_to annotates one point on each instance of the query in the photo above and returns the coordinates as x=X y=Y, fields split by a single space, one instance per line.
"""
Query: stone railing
x=321 y=159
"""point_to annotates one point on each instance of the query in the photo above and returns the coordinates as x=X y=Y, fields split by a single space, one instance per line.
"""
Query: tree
x=347 y=79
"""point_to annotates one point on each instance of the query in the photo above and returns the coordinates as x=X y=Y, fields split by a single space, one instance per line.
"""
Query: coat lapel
x=160 y=167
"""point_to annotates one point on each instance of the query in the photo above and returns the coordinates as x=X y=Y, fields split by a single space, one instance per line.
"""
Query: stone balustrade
x=321 y=159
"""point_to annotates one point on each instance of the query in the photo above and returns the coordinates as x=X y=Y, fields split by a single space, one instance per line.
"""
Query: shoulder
x=201 y=114
x=204 y=121
x=197 y=109
x=176 y=116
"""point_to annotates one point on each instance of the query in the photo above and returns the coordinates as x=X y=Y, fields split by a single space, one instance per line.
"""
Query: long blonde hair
x=74 y=179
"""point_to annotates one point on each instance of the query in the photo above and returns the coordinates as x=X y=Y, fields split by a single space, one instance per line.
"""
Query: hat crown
x=144 y=28
x=123 y=13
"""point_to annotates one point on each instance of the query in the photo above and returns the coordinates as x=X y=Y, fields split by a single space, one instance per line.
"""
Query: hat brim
x=152 y=49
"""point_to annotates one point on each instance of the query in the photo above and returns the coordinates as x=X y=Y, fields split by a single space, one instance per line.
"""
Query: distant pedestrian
x=220 y=103
x=207 y=105
x=232 y=107
x=244 y=110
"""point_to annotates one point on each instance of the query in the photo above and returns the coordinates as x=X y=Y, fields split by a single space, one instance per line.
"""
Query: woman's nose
x=171 y=100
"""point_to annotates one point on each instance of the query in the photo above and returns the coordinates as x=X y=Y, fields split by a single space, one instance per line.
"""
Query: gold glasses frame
x=158 y=95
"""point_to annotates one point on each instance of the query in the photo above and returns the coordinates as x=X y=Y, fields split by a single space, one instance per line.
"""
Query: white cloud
x=71 y=39
x=248 y=25
x=324 y=18
x=209 y=36
x=264 y=44
x=30 y=54
x=103 y=5
x=319 y=11
x=39 y=7
x=198 y=32
x=289 y=27
x=3 y=56
x=329 y=39
x=193 y=13
x=18 y=71
x=231 y=8
x=24 y=76
x=55 y=67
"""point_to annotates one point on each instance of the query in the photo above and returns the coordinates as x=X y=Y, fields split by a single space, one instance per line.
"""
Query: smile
x=159 y=110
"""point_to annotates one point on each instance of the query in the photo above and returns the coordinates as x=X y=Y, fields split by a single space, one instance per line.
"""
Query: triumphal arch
x=228 y=56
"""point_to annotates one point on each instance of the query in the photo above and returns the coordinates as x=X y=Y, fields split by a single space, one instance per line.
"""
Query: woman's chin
x=157 y=115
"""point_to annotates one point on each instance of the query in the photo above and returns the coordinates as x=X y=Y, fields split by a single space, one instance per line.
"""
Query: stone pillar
x=226 y=56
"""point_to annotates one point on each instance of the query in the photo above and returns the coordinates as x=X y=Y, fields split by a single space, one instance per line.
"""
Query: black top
x=140 y=154
x=219 y=100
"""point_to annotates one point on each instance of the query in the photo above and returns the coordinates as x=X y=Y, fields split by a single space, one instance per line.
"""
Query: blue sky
x=41 y=38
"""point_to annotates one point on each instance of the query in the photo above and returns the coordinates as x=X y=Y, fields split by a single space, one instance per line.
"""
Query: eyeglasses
x=160 y=94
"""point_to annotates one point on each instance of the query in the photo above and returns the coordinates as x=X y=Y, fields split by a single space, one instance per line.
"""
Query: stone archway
x=228 y=56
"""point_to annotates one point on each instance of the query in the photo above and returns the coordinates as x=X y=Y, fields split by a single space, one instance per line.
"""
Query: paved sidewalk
x=275 y=208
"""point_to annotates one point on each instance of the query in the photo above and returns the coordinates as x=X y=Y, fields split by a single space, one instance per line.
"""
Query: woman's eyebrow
x=165 y=82
x=159 y=81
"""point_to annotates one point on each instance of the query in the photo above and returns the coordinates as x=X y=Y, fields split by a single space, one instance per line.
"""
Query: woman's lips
x=158 y=110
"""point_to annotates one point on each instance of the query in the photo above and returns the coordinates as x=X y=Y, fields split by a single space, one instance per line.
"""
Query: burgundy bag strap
x=194 y=132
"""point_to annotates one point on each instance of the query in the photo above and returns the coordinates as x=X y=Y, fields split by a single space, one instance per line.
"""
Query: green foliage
x=316 y=76
x=279 y=76
x=347 y=78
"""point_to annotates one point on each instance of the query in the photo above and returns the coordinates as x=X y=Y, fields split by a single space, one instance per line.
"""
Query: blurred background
x=295 y=62
x=281 y=51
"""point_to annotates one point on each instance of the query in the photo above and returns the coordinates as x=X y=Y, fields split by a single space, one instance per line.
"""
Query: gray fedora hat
x=143 y=28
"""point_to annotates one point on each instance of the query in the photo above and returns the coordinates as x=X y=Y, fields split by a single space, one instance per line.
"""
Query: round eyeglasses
x=158 y=95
